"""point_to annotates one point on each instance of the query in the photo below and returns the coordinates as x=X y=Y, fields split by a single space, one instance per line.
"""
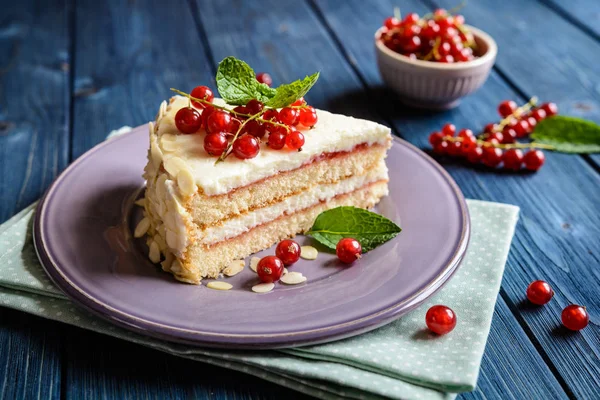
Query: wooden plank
x=289 y=42
x=557 y=238
x=34 y=137
x=34 y=100
x=140 y=49
x=542 y=53
x=30 y=356
x=585 y=14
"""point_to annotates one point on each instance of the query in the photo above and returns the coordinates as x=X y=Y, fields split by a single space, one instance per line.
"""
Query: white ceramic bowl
x=431 y=84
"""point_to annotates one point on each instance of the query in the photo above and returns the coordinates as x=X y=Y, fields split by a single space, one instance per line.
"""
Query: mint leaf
x=288 y=93
x=237 y=83
x=369 y=228
x=568 y=134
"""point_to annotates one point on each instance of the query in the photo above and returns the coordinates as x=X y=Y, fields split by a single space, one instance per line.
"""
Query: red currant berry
x=539 y=292
x=495 y=135
x=466 y=133
x=276 y=140
x=308 y=116
x=512 y=159
x=288 y=251
x=522 y=128
x=411 y=30
x=288 y=115
x=205 y=114
x=550 y=109
x=203 y=93
x=538 y=114
x=411 y=18
x=411 y=44
x=294 y=139
x=506 y=108
x=575 y=317
x=440 y=319
x=218 y=121
x=445 y=49
x=467 y=146
x=454 y=149
x=459 y=20
x=269 y=269
x=265 y=78
x=534 y=159
x=474 y=156
x=188 y=120
x=489 y=128
x=492 y=156
x=270 y=115
x=532 y=123
x=449 y=130
x=215 y=143
x=430 y=31
x=241 y=109
x=509 y=135
x=439 y=13
x=246 y=146
x=348 y=250
x=254 y=106
x=234 y=126
x=448 y=59
x=299 y=102
x=435 y=138
x=441 y=148
x=412 y=56
x=391 y=22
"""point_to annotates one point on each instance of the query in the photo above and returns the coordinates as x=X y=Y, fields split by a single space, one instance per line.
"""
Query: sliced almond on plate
x=218 y=285
x=263 y=287
x=285 y=271
x=308 y=252
x=234 y=268
x=254 y=263
x=293 y=278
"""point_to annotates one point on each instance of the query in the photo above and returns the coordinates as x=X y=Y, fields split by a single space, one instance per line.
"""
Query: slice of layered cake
x=202 y=211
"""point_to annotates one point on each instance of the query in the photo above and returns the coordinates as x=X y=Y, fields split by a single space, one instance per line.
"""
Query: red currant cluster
x=439 y=37
x=241 y=129
x=573 y=316
x=497 y=144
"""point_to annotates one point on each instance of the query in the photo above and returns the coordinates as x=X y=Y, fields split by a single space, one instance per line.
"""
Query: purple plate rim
x=250 y=341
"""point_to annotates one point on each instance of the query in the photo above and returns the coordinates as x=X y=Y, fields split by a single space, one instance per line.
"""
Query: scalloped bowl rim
x=490 y=54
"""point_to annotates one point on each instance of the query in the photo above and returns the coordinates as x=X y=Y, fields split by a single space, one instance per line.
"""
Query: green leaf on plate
x=369 y=228
x=568 y=134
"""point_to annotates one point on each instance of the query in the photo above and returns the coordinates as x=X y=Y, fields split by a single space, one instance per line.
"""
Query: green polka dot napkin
x=401 y=360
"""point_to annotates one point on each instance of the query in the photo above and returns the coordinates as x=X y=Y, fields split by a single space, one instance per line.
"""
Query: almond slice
x=141 y=202
x=263 y=287
x=308 y=252
x=218 y=285
x=141 y=228
x=254 y=263
x=234 y=268
x=293 y=278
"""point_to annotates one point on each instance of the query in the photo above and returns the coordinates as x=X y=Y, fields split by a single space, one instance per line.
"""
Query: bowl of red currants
x=435 y=60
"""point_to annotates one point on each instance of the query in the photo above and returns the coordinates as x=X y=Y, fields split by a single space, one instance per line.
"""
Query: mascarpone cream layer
x=237 y=226
x=332 y=133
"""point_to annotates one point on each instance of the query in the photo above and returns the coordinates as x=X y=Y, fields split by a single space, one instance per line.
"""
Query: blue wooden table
x=73 y=70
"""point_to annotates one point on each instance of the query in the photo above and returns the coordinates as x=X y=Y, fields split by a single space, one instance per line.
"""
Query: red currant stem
x=457 y=7
x=532 y=145
x=229 y=148
x=397 y=13
x=469 y=43
x=517 y=113
x=237 y=114
x=434 y=50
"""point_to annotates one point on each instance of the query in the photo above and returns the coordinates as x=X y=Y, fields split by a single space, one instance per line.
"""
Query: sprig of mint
x=237 y=85
x=369 y=228
x=568 y=134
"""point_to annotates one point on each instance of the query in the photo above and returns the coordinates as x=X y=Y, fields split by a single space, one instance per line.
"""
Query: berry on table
x=466 y=133
x=492 y=156
x=294 y=139
x=534 y=159
x=246 y=146
x=506 y=108
x=538 y=114
x=265 y=78
x=499 y=136
x=188 y=120
x=522 y=128
x=551 y=109
x=269 y=269
x=489 y=128
x=348 y=250
x=454 y=149
x=441 y=148
x=288 y=251
x=575 y=317
x=204 y=93
x=512 y=159
x=218 y=121
x=440 y=319
x=215 y=143
x=449 y=130
x=539 y=292
x=474 y=155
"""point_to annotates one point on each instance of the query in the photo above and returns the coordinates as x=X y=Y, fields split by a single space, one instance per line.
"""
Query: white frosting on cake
x=332 y=133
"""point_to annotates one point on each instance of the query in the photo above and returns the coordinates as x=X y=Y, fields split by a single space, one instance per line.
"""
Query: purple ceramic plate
x=83 y=239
